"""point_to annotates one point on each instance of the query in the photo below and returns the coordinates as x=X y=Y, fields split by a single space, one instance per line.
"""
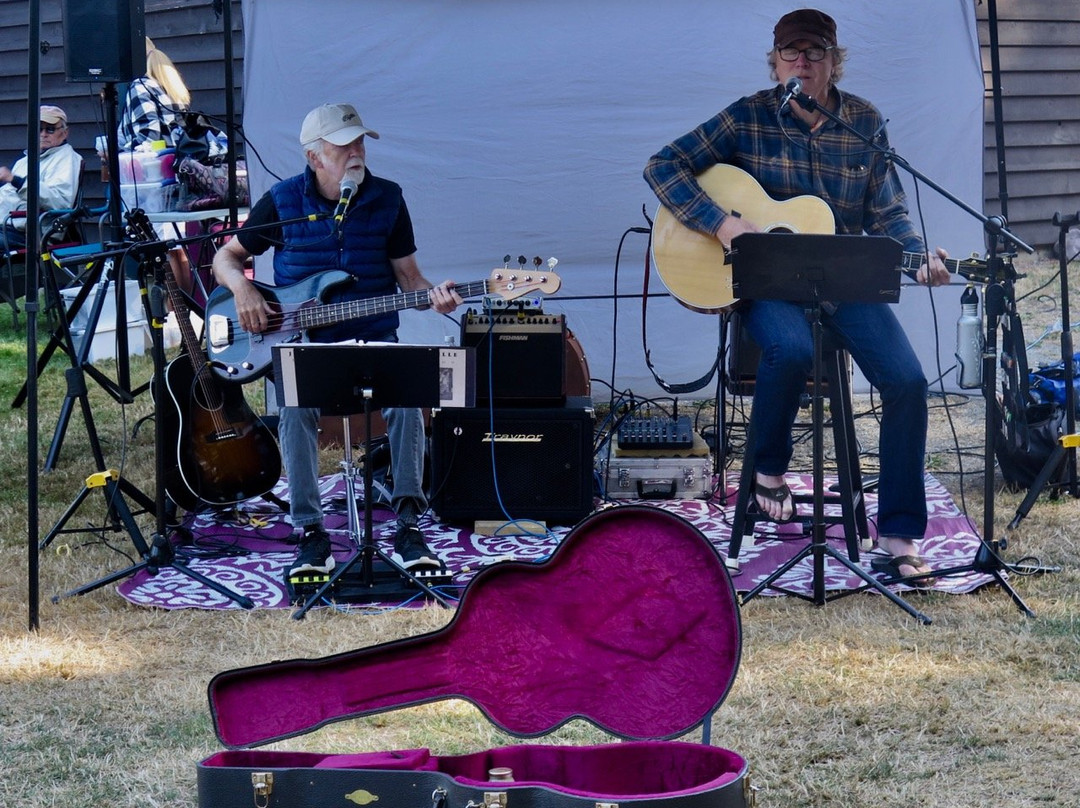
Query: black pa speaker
x=542 y=461
x=104 y=40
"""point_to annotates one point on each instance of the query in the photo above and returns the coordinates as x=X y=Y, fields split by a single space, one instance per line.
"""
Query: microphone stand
x=998 y=296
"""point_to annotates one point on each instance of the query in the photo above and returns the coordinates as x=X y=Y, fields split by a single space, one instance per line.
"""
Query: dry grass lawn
x=850 y=704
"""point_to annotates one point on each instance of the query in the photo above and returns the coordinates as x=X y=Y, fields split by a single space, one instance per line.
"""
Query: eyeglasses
x=50 y=129
x=813 y=54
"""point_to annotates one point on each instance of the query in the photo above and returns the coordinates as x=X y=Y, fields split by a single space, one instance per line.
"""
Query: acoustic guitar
x=224 y=454
x=695 y=267
x=241 y=356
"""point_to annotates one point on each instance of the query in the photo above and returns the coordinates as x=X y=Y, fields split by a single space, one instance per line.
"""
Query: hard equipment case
x=631 y=624
x=656 y=477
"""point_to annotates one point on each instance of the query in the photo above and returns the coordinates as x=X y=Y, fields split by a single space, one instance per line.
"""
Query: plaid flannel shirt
x=860 y=186
x=149 y=114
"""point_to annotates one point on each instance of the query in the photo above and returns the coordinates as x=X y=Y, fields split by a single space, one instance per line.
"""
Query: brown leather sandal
x=781 y=493
x=890 y=565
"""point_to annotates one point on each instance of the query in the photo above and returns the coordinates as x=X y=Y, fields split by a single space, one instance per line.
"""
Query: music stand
x=348 y=378
x=818 y=271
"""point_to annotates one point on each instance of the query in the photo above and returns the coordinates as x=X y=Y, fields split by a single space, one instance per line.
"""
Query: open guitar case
x=632 y=624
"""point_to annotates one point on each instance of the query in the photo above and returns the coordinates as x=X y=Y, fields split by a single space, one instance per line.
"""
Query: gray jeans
x=299 y=437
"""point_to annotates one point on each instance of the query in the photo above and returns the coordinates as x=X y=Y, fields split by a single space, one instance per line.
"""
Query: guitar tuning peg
x=552 y=262
x=521 y=261
x=537 y=261
x=506 y=259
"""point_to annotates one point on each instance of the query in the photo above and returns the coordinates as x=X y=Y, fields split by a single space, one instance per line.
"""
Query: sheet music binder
x=330 y=376
x=796 y=266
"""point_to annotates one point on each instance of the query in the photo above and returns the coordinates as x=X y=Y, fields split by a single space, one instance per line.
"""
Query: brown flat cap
x=806 y=23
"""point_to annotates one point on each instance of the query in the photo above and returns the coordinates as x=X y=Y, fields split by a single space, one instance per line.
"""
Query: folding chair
x=57 y=228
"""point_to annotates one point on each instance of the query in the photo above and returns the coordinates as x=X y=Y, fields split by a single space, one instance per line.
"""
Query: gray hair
x=314 y=147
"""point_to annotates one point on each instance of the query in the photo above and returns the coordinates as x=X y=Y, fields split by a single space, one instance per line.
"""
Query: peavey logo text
x=512 y=437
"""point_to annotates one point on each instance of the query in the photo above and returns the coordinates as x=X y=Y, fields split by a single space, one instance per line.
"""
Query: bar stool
x=849 y=490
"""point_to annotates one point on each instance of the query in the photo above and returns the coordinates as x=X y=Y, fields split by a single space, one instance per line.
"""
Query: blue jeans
x=299 y=438
x=879 y=346
x=14 y=239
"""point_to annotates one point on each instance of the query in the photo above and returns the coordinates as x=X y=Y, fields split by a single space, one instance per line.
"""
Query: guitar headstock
x=512 y=283
x=138 y=227
x=979 y=270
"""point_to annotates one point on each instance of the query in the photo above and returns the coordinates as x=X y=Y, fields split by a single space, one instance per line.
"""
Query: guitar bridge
x=228 y=434
x=218 y=332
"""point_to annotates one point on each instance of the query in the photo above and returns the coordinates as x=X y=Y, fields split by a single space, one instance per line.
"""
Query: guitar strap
x=674 y=389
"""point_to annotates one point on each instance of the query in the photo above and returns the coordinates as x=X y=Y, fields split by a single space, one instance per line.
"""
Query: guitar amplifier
x=520 y=358
x=541 y=458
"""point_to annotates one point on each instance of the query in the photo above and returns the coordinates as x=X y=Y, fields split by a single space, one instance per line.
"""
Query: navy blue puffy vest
x=312 y=247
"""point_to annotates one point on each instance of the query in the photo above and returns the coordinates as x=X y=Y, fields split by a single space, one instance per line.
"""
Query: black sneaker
x=408 y=514
x=412 y=552
x=316 y=554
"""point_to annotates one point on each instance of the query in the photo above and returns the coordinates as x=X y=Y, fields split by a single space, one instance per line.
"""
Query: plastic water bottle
x=969 y=341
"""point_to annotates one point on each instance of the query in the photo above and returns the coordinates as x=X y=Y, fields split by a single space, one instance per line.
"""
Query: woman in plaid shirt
x=792 y=151
x=153 y=102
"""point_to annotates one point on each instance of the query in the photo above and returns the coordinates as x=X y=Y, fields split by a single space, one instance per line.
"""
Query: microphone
x=348 y=188
x=794 y=89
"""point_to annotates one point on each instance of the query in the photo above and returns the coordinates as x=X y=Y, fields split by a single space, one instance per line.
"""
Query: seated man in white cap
x=374 y=243
x=60 y=168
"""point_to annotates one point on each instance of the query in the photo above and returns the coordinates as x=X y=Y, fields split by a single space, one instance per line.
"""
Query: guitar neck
x=914 y=260
x=333 y=313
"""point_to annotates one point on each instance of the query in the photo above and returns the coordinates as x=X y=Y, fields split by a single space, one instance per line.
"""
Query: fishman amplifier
x=520 y=358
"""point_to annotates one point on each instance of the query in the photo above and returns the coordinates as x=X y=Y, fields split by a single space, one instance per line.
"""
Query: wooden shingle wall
x=1039 y=51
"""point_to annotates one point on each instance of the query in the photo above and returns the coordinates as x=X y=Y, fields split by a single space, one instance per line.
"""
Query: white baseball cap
x=339 y=124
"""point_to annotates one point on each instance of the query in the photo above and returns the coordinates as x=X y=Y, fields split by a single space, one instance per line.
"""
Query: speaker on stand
x=104 y=40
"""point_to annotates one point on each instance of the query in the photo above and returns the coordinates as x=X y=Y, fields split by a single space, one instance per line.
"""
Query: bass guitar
x=694 y=266
x=224 y=453
x=242 y=356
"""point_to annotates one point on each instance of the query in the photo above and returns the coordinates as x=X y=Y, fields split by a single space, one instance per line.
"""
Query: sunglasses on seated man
x=813 y=54
x=50 y=128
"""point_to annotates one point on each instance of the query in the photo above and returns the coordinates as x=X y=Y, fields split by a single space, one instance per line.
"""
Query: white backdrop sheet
x=523 y=128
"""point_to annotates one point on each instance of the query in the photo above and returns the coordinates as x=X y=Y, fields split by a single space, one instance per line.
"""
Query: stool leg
x=849 y=475
x=742 y=525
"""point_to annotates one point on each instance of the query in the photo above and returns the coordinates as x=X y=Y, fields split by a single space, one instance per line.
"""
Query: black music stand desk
x=348 y=378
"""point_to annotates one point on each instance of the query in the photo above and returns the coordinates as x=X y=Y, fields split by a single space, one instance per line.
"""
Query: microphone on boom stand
x=793 y=90
x=348 y=189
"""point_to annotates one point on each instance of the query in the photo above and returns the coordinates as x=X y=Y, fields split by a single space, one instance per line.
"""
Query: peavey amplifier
x=523 y=354
x=541 y=458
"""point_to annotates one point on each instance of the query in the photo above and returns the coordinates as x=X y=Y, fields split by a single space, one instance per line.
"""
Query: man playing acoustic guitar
x=791 y=151
x=372 y=238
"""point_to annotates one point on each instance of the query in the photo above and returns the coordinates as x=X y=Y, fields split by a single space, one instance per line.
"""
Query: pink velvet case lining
x=632 y=624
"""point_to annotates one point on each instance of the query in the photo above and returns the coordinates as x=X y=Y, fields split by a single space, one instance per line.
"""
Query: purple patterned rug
x=248 y=550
